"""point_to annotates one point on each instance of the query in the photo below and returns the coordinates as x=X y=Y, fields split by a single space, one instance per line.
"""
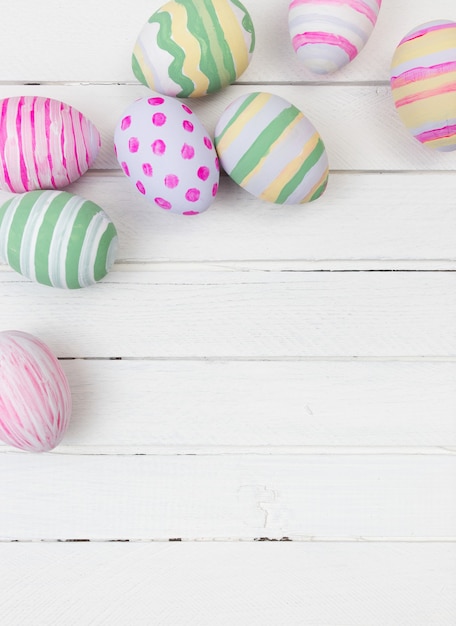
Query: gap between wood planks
x=296 y=539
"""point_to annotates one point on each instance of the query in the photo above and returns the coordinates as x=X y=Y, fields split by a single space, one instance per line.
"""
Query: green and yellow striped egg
x=56 y=238
x=190 y=48
x=268 y=147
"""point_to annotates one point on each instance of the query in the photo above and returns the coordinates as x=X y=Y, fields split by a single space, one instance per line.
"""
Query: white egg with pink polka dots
x=167 y=155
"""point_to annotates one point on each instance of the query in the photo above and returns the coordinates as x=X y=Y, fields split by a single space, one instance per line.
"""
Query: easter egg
x=328 y=34
x=35 y=399
x=423 y=83
x=56 y=238
x=190 y=48
x=167 y=155
x=271 y=149
x=44 y=144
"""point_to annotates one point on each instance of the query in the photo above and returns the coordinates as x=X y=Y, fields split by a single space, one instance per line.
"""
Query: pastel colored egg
x=328 y=34
x=272 y=150
x=44 y=144
x=190 y=48
x=167 y=155
x=423 y=83
x=35 y=398
x=56 y=238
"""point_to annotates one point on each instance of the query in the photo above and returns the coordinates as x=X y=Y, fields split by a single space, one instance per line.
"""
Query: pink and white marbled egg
x=167 y=154
x=35 y=398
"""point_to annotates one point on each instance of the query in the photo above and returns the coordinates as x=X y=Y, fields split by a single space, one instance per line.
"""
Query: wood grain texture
x=232 y=315
x=221 y=406
x=227 y=497
x=371 y=136
x=220 y=584
x=360 y=218
x=102 y=41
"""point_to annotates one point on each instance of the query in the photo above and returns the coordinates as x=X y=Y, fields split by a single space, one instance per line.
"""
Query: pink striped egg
x=328 y=34
x=44 y=144
x=35 y=399
x=423 y=83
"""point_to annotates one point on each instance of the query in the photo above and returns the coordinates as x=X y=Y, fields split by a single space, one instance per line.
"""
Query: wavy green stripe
x=247 y=102
x=262 y=145
x=225 y=59
x=165 y=42
x=297 y=179
x=246 y=23
x=200 y=25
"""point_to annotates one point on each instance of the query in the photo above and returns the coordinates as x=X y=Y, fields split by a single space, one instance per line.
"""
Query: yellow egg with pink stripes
x=423 y=83
x=271 y=149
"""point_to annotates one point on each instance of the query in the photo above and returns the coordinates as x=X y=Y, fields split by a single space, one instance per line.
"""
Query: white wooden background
x=257 y=373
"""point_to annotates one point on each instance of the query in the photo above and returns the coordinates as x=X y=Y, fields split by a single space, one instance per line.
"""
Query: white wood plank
x=359 y=124
x=197 y=407
x=360 y=217
x=54 y=496
x=217 y=584
x=102 y=40
x=240 y=315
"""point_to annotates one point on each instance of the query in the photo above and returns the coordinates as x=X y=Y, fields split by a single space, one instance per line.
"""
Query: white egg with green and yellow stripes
x=56 y=238
x=269 y=148
x=190 y=48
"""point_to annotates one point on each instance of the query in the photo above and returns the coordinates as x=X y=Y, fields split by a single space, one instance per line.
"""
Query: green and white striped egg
x=56 y=238
x=190 y=48
x=268 y=147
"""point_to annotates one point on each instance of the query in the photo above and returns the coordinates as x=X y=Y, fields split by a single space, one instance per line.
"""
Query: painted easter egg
x=328 y=34
x=423 y=83
x=190 y=48
x=272 y=150
x=35 y=398
x=167 y=155
x=44 y=144
x=56 y=238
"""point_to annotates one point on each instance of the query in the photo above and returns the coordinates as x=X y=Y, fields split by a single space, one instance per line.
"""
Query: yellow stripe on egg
x=430 y=43
x=238 y=125
x=233 y=35
x=418 y=113
x=187 y=42
x=275 y=188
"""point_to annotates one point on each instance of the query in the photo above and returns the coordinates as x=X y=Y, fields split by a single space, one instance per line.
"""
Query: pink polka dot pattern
x=188 y=152
x=162 y=203
x=193 y=195
x=158 y=119
x=125 y=122
x=159 y=147
x=167 y=154
x=203 y=172
x=171 y=181
x=147 y=169
x=133 y=144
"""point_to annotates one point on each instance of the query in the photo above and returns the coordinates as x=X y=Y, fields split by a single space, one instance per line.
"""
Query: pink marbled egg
x=35 y=398
x=167 y=154
x=44 y=144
